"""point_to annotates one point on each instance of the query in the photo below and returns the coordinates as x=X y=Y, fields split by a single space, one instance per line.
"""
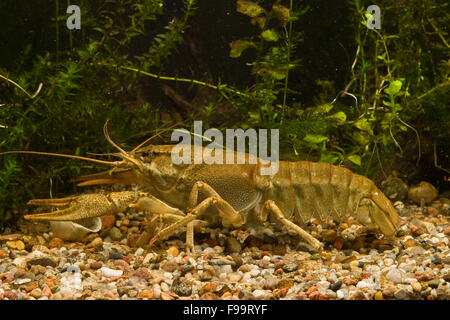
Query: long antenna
x=110 y=163
x=154 y=136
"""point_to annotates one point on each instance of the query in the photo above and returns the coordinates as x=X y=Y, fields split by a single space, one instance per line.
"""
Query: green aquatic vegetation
x=58 y=99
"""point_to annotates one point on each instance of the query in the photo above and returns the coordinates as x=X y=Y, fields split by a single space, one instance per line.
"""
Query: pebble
x=96 y=243
x=290 y=267
x=107 y=272
x=395 y=275
x=181 y=287
x=270 y=267
x=232 y=245
x=17 y=245
x=173 y=251
x=55 y=243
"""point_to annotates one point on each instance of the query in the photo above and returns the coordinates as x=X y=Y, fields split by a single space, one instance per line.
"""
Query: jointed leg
x=227 y=213
x=269 y=205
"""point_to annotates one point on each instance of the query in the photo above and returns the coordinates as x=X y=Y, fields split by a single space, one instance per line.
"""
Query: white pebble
x=388 y=262
x=164 y=287
x=260 y=294
x=254 y=272
x=107 y=272
x=139 y=252
x=156 y=291
x=340 y=294
x=394 y=275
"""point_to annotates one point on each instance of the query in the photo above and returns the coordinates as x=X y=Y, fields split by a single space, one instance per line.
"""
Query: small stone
x=17 y=245
x=56 y=243
x=232 y=245
x=166 y=296
x=401 y=294
x=340 y=294
x=139 y=252
x=145 y=294
x=290 y=267
x=329 y=235
x=436 y=260
x=417 y=287
x=169 y=266
x=394 y=188
x=107 y=272
x=173 y=251
x=410 y=243
x=2 y=254
x=181 y=287
x=434 y=283
x=395 y=276
x=157 y=291
x=96 y=243
x=108 y=221
x=115 y=234
x=336 y=286
x=47 y=292
x=279 y=250
x=424 y=191
x=378 y=296
x=234 y=277
x=208 y=287
x=45 y=261
x=115 y=256
x=305 y=247
x=142 y=273
x=36 y=293
x=389 y=292
x=208 y=296
x=260 y=294
x=95 y=265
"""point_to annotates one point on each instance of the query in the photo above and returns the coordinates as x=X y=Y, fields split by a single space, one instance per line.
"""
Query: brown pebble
x=208 y=287
x=132 y=239
x=2 y=254
x=108 y=221
x=166 y=296
x=55 y=243
x=378 y=296
x=142 y=273
x=410 y=243
x=146 y=294
x=173 y=251
x=47 y=292
x=36 y=293
x=285 y=283
x=279 y=250
x=169 y=266
x=209 y=296
x=95 y=265
x=18 y=245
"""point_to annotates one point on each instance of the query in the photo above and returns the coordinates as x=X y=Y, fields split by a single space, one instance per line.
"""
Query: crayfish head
x=378 y=210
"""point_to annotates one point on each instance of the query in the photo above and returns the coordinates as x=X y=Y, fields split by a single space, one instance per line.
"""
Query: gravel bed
x=233 y=265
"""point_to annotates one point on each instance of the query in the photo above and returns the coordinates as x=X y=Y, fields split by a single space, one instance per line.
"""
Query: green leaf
x=270 y=35
x=340 y=117
x=363 y=125
x=323 y=108
x=361 y=139
x=249 y=8
x=281 y=13
x=238 y=46
x=355 y=159
x=314 y=138
x=394 y=87
x=328 y=157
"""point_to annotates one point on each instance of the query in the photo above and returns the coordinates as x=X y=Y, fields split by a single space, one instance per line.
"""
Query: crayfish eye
x=145 y=154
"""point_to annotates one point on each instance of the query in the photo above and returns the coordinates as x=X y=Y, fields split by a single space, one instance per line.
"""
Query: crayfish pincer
x=183 y=193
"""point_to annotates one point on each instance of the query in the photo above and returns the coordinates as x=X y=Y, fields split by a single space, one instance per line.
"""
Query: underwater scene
x=256 y=150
